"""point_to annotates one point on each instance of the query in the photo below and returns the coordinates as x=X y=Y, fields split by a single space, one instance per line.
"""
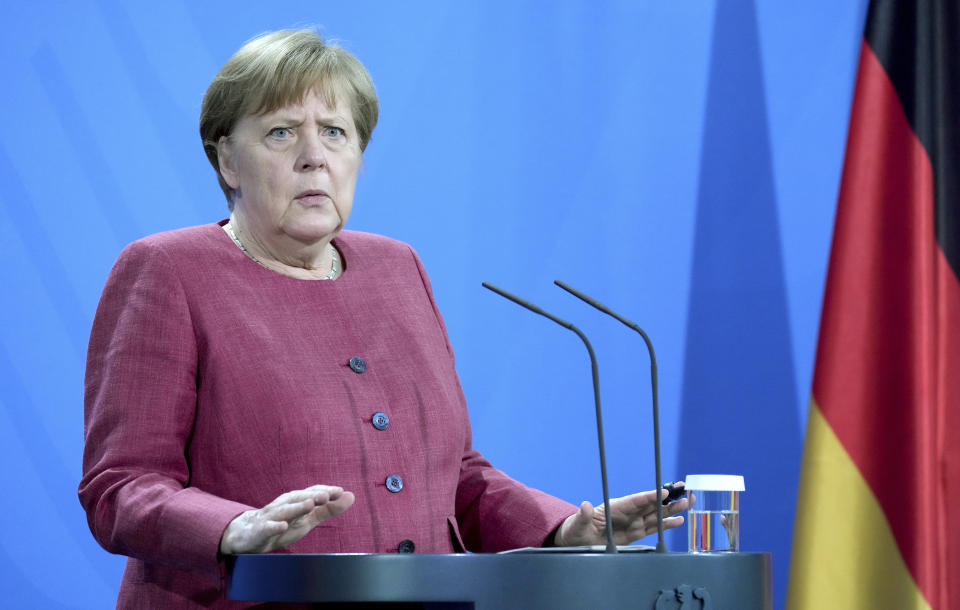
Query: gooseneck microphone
x=661 y=546
x=611 y=547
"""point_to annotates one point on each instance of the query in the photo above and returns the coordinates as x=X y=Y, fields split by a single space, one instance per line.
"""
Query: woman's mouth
x=313 y=197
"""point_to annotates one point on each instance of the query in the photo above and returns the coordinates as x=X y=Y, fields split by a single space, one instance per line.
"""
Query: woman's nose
x=312 y=154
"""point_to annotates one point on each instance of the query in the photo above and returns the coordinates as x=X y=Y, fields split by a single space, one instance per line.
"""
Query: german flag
x=881 y=462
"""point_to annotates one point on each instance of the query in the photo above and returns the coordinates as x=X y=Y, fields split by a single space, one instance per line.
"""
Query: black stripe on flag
x=918 y=44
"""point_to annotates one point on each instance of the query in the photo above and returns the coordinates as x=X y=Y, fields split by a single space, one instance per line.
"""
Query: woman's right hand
x=285 y=520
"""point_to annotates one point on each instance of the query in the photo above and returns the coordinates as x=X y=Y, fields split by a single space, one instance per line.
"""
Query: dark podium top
x=487 y=581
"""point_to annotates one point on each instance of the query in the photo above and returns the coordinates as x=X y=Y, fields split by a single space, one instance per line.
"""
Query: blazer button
x=394 y=483
x=380 y=420
x=406 y=546
x=357 y=364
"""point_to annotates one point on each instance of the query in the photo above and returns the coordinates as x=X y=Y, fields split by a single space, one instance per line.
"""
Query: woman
x=250 y=380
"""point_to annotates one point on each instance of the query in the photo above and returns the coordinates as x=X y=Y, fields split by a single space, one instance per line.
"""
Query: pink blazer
x=214 y=385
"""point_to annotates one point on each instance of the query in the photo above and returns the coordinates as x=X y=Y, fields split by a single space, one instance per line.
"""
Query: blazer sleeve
x=494 y=512
x=139 y=407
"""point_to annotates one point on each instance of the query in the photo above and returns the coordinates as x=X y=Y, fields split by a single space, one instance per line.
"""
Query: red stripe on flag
x=889 y=333
x=939 y=509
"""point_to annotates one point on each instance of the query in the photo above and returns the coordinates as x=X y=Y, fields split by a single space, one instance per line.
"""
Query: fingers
x=288 y=511
x=341 y=503
x=333 y=508
x=308 y=507
x=676 y=507
x=627 y=509
x=645 y=502
x=672 y=522
x=644 y=499
x=288 y=518
x=325 y=493
x=318 y=493
x=635 y=516
x=293 y=505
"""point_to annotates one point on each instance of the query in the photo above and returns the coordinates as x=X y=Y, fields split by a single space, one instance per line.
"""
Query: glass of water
x=713 y=520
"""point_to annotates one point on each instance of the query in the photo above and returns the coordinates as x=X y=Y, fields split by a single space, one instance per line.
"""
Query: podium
x=558 y=581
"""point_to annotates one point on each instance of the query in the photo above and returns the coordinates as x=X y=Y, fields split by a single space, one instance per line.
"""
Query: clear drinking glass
x=713 y=520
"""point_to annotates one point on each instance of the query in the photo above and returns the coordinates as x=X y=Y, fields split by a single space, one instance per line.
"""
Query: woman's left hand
x=290 y=517
x=634 y=517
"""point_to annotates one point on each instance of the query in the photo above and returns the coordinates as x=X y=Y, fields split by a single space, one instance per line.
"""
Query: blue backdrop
x=678 y=160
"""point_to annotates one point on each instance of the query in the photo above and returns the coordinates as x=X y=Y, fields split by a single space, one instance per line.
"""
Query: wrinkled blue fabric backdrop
x=678 y=160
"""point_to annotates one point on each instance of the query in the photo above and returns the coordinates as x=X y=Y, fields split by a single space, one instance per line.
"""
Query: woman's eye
x=280 y=132
x=333 y=132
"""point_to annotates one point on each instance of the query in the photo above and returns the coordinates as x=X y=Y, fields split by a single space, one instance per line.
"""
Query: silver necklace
x=334 y=255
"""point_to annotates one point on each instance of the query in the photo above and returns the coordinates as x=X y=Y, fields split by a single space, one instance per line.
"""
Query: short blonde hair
x=278 y=69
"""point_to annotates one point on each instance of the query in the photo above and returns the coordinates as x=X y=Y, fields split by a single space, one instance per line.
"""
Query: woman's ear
x=225 y=160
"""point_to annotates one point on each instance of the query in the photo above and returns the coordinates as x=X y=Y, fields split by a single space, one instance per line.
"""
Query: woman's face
x=293 y=170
